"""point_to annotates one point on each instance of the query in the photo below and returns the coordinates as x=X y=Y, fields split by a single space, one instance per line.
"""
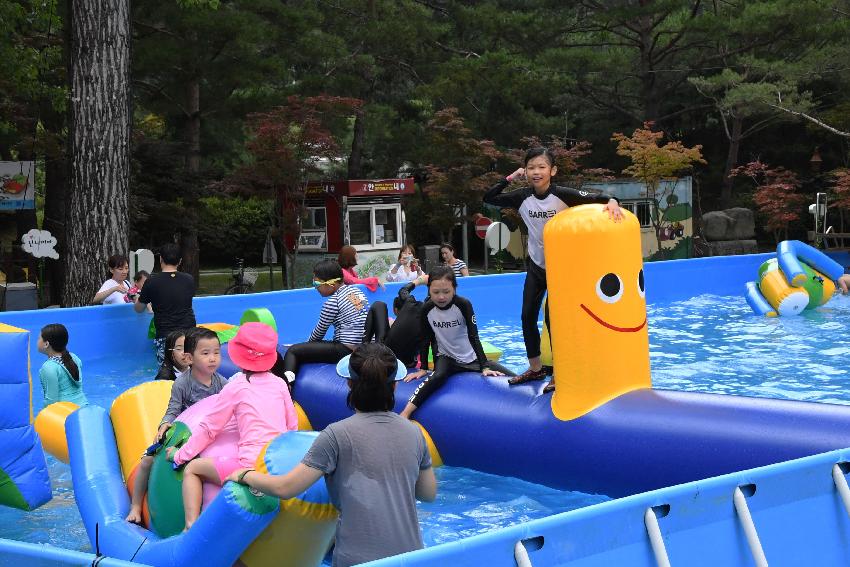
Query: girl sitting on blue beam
x=449 y=323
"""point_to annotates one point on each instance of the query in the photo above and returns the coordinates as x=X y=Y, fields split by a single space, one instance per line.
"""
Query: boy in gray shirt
x=199 y=381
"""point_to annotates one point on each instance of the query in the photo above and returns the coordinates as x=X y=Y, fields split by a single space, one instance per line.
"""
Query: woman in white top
x=114 y=290
x=407 y=269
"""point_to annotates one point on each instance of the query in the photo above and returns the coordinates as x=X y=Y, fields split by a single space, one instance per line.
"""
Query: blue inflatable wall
x=24 y=482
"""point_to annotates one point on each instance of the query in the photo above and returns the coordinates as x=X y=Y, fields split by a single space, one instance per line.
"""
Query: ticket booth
x=366 y=214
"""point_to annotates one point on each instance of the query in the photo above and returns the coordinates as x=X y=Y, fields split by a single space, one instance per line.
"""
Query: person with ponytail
x=376 y=465
x=62 y=375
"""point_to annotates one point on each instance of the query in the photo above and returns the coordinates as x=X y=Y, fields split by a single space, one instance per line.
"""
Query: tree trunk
x=648 y=88
x=189 y=232
x=731 y=161
x=56 y=169
x=99 y=143
x=355 y=161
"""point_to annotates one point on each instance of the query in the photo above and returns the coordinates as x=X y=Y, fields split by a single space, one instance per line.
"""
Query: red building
x=366 y=214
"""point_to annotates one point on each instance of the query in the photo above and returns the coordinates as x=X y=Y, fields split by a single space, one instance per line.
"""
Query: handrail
x=841 y=484
x=655 y=538
x=749 y=527
x=521 y=555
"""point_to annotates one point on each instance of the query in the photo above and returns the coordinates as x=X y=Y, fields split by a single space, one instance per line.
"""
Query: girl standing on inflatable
x=536 y=204
x=376 y=465
x=62 y=375
x=258 y=400
x=449 y=323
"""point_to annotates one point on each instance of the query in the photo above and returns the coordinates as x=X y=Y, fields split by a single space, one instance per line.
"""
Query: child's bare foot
x=135 y=516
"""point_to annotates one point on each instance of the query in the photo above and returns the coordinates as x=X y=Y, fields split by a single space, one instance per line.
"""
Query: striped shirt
x=457 y=267
x=346 y=310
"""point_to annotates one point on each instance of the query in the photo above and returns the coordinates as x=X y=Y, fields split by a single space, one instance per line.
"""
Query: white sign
x=497 y=237
x=141 y=259
x=269 y=251
x=40 y=243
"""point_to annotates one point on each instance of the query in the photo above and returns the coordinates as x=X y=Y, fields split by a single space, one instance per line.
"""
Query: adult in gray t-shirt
x=371 y=462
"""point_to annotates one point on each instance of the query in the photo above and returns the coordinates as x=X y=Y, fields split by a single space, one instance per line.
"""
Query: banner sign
x=17 y=185
x=362 y=188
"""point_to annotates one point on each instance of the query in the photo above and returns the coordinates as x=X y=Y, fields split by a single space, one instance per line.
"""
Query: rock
x=716 y=225
x=730 y=247
x=743 y=225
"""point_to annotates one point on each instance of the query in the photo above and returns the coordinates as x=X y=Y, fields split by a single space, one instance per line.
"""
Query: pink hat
x=254 y=347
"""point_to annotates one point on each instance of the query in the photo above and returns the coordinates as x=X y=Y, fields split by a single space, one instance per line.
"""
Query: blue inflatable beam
x=790 y=252
x=757 y=302
x=24 y=482
x=219 y=537
x=640 y=441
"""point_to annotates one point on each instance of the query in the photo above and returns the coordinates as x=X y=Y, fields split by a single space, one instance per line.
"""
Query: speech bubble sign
x=40 y=243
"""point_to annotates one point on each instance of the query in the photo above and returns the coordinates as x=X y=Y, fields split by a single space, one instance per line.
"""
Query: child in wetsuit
x=448 y=321
x=346 y=308
x=404 y=336
x=536 y=204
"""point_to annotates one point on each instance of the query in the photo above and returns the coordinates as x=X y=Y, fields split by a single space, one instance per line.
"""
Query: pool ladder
x=742 y=510
x=739 y=498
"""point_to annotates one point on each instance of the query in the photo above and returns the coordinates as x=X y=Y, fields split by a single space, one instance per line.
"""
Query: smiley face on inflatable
x=597 y=308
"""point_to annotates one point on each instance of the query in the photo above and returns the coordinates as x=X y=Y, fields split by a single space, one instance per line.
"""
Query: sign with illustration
x=40 y=243
x=17 y=185
x=666 y=218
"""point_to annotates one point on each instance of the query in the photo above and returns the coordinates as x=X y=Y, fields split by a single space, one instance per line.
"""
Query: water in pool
x=709 y=343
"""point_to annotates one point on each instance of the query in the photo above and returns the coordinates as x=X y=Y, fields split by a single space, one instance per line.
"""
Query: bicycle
x=243 y=279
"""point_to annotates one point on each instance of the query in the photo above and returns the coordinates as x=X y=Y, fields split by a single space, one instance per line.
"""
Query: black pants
x=377 y=323
x=318 y=351
x=532 y=297
x=445 y=366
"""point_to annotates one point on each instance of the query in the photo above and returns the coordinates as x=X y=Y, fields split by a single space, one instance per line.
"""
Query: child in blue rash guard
x=449 y=322
x=536 y=204
x=346 y=308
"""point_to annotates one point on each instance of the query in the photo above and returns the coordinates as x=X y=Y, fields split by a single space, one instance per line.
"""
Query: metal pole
x=465 y=226
x=486 y=255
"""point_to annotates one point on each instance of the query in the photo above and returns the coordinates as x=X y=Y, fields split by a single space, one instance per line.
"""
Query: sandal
x=528 y=376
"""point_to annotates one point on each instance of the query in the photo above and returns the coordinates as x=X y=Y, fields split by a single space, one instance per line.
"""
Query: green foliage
x=233 y=227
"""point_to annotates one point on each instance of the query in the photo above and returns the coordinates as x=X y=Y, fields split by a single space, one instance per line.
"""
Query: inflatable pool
x=24 y=482
x=621 y=437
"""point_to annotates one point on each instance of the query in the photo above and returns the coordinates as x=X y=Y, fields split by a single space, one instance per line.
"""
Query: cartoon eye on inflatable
x=609 y=288
x=641 y=288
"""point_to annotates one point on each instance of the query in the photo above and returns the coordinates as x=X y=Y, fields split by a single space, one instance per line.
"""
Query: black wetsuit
x=453 y=337
x=536 y=210
x=404 y=337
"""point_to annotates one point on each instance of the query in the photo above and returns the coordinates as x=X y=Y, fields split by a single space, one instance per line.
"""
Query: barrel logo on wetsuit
x=542 y=214
x=450 y=330
x=536 y=212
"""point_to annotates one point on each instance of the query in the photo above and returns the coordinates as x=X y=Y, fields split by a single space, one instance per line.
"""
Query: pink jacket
x=349 y=276
x=263 y=410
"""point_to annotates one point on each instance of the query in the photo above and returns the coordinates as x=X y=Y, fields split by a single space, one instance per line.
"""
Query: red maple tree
x=289 y=147
x=777 y=195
